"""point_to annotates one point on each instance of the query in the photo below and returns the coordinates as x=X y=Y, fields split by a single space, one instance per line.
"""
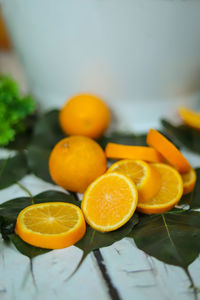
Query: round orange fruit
x=75 y=162
x=86 y=115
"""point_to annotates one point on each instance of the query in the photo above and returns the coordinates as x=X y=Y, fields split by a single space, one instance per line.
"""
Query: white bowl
x=141 y=56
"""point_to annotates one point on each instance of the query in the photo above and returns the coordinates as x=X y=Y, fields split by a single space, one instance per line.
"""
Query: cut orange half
x=169 y=194
x=51 y=225
x=168 y=150
x=190 y=117
x=146 y=178
x=117 y=151
x=189 y=181
x=109 y=202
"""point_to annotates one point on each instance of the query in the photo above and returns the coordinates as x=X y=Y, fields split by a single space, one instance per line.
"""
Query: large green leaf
x=55 y=196
x=47 y=131
x=46 y=134
x=12 y=170
x=193 y=199
x=124 y=139
x=183 y=135
x=26 y=249
x=38 y=161
x=173 y=237
x=93 y=239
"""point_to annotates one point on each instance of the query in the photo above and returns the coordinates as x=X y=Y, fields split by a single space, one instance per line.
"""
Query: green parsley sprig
x=13 y=110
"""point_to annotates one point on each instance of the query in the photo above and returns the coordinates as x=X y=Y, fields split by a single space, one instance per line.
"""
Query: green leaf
x=38 y=162
x=55 y=196
x=173 y=237
x=26 y=249
x=193 y=199
x=46 y=134
x=94 y=239
x=12 y=170
x=183 y=135
x=124 y=139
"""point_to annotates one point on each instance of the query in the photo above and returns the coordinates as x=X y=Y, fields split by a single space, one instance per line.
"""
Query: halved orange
x=169 y=194
x=117 y=151
x=168 y=150
x=146 y=178
x=189 y=181
x=109 y=202
x=52 y=225
x=190 y=117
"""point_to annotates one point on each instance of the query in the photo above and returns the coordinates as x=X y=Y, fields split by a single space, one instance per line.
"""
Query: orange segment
x=169 y=194
x=190 y=117
x=189 y=181
x=168 y=150
x=146 y=178
x=117 y=151
x=51 y=225
x=109 y=202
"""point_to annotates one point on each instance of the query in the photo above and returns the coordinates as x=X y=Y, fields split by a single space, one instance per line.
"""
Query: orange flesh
x=115 y=202
x=49 y=220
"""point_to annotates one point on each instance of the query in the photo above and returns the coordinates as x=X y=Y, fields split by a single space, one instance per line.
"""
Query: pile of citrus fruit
x=149 y=179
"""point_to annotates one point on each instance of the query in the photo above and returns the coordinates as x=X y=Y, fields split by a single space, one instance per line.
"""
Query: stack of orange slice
x=161 y=179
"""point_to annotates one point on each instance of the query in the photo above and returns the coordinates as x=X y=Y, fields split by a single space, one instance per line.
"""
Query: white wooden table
x=120 y=271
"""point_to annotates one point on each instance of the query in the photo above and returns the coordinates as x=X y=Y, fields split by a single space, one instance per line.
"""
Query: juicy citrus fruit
x=189 y=180
x=190 y=117
x=168 y=150
x=75 y=162
x=146 y=178
x=109 y=202
x=117 y=151
x=51 y=225
x=84 y=115
x=169 y=194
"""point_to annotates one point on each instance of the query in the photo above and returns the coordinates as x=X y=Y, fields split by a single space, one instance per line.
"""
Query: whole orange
x=85 y=115
x=75 y=162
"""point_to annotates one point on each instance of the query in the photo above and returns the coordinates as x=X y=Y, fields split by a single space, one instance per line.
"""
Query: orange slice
x=109 y=202
x=146 y=178
x=168 y=150
x=51 y=225
x=189 y=181
x=169 y=194
x=117 y=151
x=190 y=117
